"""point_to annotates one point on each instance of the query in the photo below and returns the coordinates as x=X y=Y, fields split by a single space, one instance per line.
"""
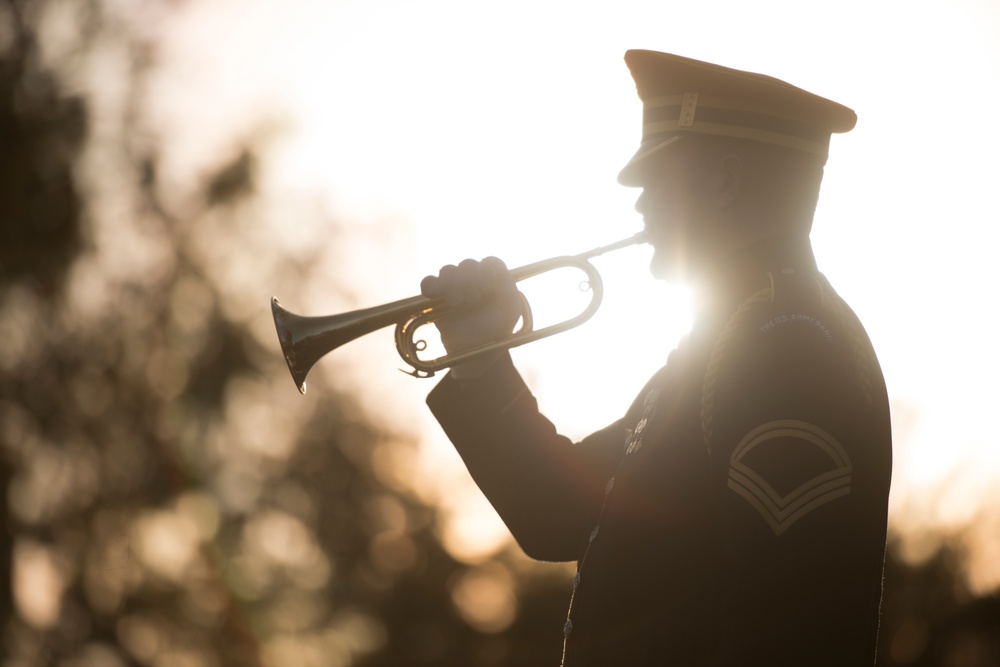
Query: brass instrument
x=305 y=339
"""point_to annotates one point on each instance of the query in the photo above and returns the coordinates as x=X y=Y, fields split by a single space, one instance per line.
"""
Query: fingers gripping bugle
x=304 y=340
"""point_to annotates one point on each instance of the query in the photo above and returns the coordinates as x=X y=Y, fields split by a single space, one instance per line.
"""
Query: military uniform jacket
x=736 y=515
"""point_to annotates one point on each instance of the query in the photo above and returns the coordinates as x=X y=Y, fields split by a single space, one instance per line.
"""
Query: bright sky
x=473 y=129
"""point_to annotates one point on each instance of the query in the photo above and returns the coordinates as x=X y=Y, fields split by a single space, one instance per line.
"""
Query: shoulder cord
x=715 y=359
x=848 y=321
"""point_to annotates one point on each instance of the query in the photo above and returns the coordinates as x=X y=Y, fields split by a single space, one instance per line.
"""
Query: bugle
x=304 y=340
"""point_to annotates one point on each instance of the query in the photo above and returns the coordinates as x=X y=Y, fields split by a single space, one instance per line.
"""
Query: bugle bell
x=304 y=340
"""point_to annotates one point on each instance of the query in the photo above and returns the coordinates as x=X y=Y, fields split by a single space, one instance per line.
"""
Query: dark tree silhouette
x=930 y=618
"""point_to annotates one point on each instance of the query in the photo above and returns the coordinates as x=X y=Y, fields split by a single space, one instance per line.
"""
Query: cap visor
x=631 y=174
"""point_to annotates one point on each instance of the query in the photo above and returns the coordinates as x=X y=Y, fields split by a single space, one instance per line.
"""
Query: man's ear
x=728 y=180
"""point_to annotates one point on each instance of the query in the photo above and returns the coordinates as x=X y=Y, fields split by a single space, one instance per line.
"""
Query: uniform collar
x=745 y=272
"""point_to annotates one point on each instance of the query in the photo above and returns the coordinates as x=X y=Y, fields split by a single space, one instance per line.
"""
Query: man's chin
x=668 y=270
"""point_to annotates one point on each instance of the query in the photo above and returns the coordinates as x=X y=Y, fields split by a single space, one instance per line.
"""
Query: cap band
x=691 y=112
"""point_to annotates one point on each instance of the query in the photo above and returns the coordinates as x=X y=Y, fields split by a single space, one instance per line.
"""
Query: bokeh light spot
x=484 y=597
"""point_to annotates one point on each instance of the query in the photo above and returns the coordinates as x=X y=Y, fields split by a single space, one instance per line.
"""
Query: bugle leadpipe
x=304 y=340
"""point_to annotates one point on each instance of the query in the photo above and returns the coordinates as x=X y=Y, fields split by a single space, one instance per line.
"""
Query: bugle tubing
x=304 y=340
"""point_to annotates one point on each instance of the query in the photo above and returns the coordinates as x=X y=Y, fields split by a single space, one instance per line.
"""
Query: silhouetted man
x=736 y=515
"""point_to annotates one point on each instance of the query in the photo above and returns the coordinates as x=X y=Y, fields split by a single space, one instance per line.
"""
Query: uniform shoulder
x=793 y=342
x=790 y=403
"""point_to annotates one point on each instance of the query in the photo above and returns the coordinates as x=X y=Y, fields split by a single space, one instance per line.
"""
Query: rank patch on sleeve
x=785 y=469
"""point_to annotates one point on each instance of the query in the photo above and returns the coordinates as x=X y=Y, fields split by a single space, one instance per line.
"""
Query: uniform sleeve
x=544 y=487
x=798 y=433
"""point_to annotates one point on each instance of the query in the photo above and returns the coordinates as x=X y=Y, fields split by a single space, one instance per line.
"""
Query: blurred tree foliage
x=162 y=503
x=930 y=618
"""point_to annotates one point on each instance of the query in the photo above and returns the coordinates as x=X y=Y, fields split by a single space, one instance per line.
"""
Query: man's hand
x=486 y=307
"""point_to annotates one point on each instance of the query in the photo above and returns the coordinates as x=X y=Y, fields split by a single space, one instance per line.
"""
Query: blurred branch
x=42 y=129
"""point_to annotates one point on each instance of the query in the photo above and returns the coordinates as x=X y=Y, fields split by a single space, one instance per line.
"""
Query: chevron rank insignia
x=786 y=469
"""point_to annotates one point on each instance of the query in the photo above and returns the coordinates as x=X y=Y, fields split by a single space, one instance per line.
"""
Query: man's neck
x=734 y=276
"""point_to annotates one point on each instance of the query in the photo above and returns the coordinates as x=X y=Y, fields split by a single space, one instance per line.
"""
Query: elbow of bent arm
x=547 y=549
x=547 y=543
